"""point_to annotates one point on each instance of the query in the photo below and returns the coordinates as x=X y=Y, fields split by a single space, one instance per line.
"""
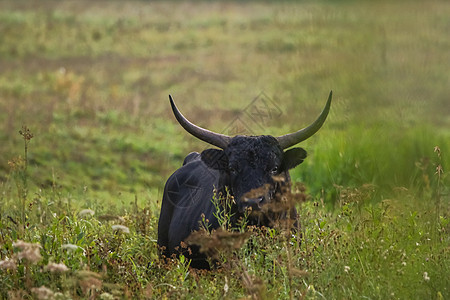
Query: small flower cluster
x=43 y=292
x=86 y=212
x=29 y=251
x=56 y=268
x=120 y=228
x=70 y=247
x=8 y=264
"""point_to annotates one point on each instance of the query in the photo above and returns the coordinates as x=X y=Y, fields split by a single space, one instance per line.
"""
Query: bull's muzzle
x=253 y=203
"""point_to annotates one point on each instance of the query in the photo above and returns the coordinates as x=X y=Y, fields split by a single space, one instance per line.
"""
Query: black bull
x=244 y=164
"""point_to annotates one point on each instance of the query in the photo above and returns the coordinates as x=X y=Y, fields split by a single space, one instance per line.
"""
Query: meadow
x=87 y=141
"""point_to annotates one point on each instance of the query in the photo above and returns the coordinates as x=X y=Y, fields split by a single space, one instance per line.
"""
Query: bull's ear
x=292 y=158
x=215 y=159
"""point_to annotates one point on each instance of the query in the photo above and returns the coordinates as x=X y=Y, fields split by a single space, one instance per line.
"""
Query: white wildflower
x=70 y=247
x=346 y=269
x=29 y=251
x=60 y=296
x=20 y=244
x=425 y=276
x=8 y=264
x=56 y=268
x=403 y=263
x=86 y=212
x=121 y=228
x=43 y=292
x=106 y=296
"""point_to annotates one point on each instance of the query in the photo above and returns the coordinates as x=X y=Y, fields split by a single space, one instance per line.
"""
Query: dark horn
x=292 y=139
x=216 y=139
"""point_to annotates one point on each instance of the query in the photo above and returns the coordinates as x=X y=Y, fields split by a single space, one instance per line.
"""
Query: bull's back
x=187 y=195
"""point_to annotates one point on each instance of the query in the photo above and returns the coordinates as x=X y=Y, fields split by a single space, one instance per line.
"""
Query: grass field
x=90 y=81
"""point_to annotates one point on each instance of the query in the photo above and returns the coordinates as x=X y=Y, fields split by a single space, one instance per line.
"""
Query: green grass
x=91 y=81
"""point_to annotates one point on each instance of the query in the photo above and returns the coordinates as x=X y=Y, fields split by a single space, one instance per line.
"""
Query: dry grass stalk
x=218 y=241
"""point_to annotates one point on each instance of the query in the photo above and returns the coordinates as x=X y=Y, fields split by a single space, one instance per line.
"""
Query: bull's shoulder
x=193 y=174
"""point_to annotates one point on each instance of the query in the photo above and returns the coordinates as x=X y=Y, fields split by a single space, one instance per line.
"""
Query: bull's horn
x=291 y=139
x=216 y=139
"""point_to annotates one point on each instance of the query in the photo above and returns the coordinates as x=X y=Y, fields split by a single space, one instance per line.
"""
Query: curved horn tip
x=205 y=135
x=172 y=104
x=326 y=109
x=291 y=139
x=330 y=96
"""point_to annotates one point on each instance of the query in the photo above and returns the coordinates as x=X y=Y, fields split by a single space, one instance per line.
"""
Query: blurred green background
x=91 y=80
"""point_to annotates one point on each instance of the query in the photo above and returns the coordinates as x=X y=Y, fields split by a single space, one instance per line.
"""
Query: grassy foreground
x=86 y=84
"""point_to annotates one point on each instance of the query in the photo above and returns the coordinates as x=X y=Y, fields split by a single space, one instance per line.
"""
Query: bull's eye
x=274 y=171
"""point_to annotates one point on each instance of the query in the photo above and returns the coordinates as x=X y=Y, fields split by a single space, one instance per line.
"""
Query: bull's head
x=250 y=163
